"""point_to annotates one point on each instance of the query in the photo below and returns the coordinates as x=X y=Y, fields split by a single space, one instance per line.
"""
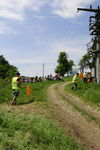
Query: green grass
x=39 y=92
x=32 y=132
x=89 y=92
x=82 y=111
x=5 y=90
x=21 y=129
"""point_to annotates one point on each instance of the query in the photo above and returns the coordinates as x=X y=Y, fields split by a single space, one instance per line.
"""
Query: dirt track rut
x=83 y=131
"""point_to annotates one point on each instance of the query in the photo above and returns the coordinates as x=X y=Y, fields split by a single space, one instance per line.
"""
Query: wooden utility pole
x=43 y=70
x=94 y=28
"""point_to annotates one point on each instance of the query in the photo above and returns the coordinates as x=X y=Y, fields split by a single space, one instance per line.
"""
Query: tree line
x=6 y=70
x=65 y=65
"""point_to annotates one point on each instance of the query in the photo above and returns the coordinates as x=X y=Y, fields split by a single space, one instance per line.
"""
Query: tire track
x=75 y=101
x=84 y=132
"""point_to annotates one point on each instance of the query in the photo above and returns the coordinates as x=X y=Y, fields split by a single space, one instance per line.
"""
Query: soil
x=74 y=123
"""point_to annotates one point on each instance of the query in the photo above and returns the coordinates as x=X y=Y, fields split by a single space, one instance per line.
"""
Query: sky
x=34 y=32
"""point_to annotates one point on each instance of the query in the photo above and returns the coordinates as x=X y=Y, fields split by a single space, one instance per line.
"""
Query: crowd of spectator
x=56 y=77
x=40 y=79
x=32 y=79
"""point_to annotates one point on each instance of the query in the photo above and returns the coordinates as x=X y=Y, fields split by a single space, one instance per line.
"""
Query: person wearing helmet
x=15 y=87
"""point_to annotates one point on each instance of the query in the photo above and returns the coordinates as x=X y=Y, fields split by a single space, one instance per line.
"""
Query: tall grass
x=30 y=132
x=38 y=92
x=5 y=90
x=89 y=92
x=20 y=130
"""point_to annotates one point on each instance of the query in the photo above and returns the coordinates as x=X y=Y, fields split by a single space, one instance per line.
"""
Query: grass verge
x=89 y=92
x=82 y=111
x=38 y=92
x=30 y=132
x=21 y=129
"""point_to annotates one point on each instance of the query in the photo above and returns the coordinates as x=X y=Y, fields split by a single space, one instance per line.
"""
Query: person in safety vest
x=15 y=87
x=75 y=81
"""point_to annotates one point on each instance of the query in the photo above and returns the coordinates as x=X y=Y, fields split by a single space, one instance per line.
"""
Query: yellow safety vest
x=14 y=83
x=75 y=79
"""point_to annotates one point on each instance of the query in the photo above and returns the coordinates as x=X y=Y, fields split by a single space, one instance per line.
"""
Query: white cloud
x=30 y=70
x=15 y=9
x=68 y=8
x=36 y=69
x=75 y=48
x=33 y=66
x=31 y=60
x=6 y=29
x=39 y=17
x=30 y=65
x=11 y=15
x=76 y=22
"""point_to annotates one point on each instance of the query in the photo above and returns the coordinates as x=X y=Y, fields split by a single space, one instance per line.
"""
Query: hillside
x=50 y=118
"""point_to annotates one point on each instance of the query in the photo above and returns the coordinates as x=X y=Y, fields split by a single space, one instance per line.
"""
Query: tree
x=6 y=70
x=82 y=65
x=87 y=61
x=64 y=65
x=71 y=64
x=60 y=69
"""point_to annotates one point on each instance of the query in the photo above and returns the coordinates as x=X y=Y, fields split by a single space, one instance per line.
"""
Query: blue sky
x=33 y=32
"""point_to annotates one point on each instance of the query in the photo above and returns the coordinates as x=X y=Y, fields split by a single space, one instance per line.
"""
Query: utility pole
x=94 y=27
x=43 y=70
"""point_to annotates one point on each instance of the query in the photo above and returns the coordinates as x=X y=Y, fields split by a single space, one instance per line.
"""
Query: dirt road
x=76 y=121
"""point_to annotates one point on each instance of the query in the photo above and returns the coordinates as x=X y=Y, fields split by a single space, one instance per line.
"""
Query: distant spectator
x=90 y=79
x=85 y=79
x=81 y=75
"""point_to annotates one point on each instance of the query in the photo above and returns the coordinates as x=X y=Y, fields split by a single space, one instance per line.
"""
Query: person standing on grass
x=15 y=87
x=85 y=79
x=75 y=81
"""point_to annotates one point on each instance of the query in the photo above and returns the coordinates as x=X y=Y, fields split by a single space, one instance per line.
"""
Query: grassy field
x=38 y=92
x=29 y=132
x=27 y=127
x=89 y=92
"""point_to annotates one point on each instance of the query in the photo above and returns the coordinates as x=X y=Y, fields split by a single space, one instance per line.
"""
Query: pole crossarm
x=89 y=10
